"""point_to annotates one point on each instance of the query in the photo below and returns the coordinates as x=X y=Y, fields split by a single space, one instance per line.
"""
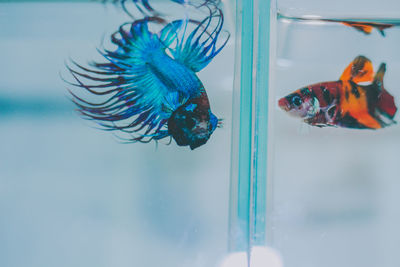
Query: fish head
x=192 y=126
x=302 y=103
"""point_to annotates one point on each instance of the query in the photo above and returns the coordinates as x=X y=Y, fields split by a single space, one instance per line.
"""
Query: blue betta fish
x=150 y=81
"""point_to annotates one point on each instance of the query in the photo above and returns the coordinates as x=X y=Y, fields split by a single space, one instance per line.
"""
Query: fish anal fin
x=359 y=70
x=366 y=119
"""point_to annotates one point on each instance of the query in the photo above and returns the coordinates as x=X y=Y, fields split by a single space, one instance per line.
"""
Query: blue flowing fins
x=136 y=99
x=148 y=78
x=200 y=47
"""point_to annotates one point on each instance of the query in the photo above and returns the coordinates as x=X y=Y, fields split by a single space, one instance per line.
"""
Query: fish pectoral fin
x=367 y=120
x=359 y=70
x=330 y=112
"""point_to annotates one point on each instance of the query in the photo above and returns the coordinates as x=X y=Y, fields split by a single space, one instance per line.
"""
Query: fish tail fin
x=382 y=28
x=386 y=102
x=381 y=31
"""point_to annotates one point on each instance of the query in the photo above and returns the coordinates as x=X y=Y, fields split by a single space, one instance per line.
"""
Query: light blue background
x=71 y=195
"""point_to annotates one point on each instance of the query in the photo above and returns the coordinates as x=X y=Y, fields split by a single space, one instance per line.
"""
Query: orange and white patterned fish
x=345 y=103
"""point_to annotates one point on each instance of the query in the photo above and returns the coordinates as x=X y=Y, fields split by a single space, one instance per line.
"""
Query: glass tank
x=298 y=169
x=334 y=188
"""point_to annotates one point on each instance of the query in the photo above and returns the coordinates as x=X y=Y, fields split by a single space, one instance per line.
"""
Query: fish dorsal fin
x=367 y=29
x=196 y=49
x=359 y=70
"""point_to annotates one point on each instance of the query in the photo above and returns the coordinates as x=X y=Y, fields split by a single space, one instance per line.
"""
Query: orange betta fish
x=363 y=25
x=366 y=27
x=348 y=102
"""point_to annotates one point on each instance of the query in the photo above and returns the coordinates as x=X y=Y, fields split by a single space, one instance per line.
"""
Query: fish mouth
x=284 y=104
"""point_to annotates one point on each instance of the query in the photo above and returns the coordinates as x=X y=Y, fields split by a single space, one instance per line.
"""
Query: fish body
x=346 y=102
x=148 y=85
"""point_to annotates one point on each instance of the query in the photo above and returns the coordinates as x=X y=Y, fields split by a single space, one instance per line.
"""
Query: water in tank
x=300 y=167
x=334 y=187
x=74 y=195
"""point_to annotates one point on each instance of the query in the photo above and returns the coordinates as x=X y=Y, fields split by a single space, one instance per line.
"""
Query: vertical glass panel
x=334 y=188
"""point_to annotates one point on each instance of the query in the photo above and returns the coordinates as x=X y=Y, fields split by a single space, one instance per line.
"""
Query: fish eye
x=296 y=100
x=190 y=122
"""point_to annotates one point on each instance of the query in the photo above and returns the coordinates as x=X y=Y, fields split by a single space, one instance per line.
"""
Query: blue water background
x=71 y=195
